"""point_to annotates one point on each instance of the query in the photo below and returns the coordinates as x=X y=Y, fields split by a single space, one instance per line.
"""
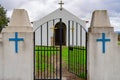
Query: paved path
x=64 y=78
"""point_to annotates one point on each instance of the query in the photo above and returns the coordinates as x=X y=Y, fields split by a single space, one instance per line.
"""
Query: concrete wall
x=17 y=66
x=102 y=66
x=1 y=57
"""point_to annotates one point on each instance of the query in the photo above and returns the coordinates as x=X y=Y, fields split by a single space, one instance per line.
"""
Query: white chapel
x=51 y=36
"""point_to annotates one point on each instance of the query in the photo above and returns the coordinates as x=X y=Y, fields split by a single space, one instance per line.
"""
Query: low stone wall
x=1 y=58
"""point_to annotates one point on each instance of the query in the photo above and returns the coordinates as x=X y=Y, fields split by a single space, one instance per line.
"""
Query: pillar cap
x=100 y=19
x=19 y=22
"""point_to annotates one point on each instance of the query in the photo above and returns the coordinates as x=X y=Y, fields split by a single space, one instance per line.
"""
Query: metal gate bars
x=48 y=41
x=77 y=49
x=47 y=55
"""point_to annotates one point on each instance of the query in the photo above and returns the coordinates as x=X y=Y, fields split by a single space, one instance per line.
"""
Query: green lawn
x=65 y=54
x=77 y=61
x=44 y=54
x=47 y=52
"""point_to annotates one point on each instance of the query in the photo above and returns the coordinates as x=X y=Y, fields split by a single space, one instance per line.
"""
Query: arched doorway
x=57 y=34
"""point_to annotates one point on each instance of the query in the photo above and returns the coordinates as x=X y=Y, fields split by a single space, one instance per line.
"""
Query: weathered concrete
x=100 y=22
x=19 y=18
x=18 y=66
x=19 y=22
x=1 y=57
x=102 y=66
x=100 y=19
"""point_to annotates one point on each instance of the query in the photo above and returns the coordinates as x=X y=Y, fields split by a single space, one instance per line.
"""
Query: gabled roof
x=64 y=14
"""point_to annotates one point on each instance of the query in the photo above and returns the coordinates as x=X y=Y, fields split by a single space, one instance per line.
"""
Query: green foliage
x=3 y=18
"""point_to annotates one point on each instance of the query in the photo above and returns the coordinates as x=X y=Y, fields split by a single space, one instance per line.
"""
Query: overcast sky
x=81 y=8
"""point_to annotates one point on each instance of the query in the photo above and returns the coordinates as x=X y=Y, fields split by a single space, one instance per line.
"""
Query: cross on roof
x=61 y=3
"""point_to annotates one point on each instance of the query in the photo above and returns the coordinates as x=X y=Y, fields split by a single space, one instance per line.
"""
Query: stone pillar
x=18 y=47
x=103 y=50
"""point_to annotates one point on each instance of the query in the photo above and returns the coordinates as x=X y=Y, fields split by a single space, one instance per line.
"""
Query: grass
x=43 y=56
x=77 y=59
x=65 y=54
x=47 y=53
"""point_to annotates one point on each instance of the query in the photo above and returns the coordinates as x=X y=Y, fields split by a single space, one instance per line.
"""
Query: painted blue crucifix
x=103 y=40
x=16 y=39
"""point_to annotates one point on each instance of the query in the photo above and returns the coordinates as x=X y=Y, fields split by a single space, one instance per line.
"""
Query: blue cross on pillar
x=16 y=39
x=103 y=40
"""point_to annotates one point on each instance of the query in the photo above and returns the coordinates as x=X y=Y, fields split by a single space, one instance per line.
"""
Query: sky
x=81 y=8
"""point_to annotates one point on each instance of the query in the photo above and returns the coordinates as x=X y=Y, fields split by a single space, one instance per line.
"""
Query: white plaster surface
x=19 y=18
x=18 y=66
x=1 y=57
x=100 y=18
x=19 y=22
x=103 y=66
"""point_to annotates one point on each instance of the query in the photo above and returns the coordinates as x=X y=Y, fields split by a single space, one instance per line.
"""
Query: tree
x=3 y=18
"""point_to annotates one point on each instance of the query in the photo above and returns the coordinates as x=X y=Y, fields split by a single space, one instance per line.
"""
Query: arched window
x=57 y=34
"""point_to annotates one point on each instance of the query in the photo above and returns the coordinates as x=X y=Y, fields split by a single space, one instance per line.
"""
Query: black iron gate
x=77 y=49
x=47 y=55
